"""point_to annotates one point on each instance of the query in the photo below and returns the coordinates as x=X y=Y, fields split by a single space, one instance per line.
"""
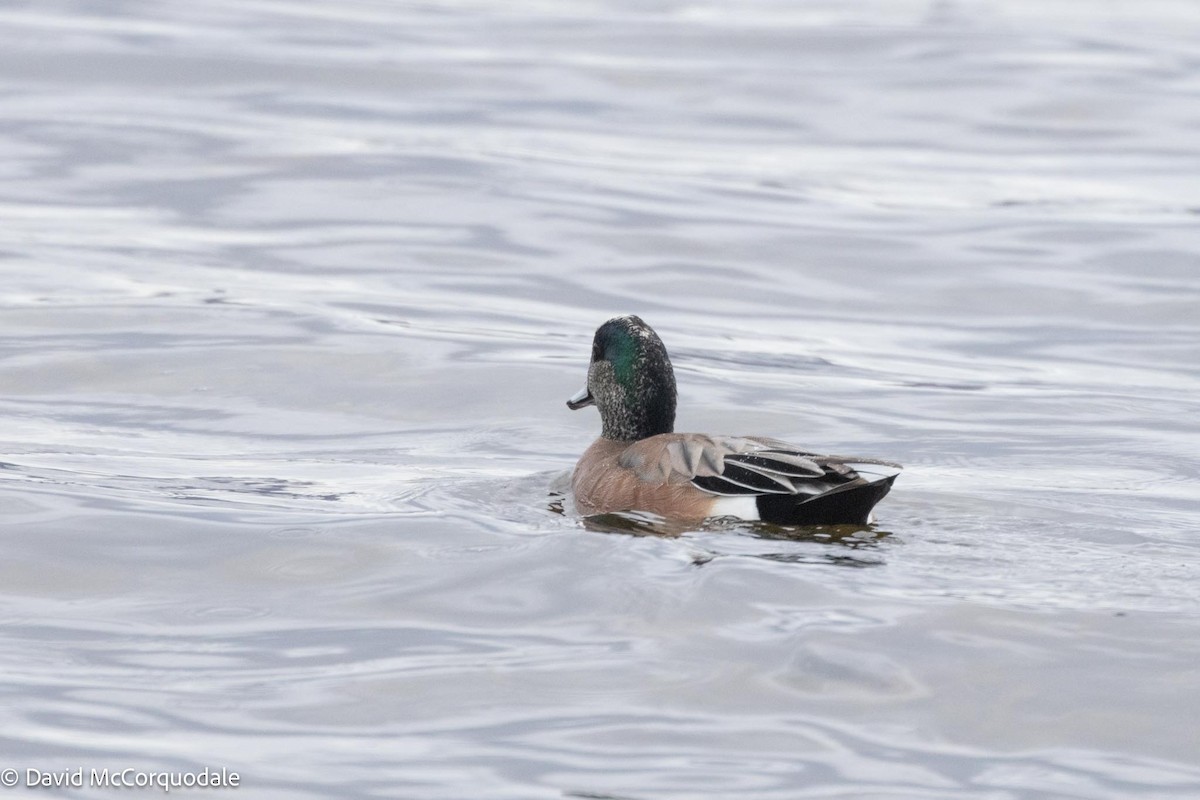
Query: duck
x=640 y=464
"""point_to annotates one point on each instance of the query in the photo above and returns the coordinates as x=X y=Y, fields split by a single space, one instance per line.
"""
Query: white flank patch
x=742 y=507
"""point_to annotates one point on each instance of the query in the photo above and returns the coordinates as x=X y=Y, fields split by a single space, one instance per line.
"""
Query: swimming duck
x=640 y=464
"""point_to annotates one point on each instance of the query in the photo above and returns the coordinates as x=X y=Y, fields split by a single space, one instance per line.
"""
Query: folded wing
x=735 y=466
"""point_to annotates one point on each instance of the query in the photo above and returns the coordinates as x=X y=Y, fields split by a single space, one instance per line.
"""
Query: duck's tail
x=847 y=504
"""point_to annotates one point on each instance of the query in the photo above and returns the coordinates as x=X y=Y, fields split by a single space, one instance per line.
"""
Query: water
x=294 y=294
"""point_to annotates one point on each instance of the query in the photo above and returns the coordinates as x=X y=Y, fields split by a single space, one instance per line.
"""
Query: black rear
x=849 y=506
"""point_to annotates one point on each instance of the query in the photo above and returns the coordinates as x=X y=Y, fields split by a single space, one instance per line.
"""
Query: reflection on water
x=727 y=536
x=294 y=295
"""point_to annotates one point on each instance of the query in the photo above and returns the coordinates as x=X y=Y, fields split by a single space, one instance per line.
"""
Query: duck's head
x=630 y=380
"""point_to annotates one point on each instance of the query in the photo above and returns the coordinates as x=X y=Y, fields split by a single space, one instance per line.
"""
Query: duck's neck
x=630 y=422
x=631 y=431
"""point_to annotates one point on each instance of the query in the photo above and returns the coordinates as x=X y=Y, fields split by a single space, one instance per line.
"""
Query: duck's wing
x=737 y=466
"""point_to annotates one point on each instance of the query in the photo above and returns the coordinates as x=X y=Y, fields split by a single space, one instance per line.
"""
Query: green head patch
x=632 y=380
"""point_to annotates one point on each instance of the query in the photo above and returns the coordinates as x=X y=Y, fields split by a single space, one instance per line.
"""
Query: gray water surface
x=294 y=294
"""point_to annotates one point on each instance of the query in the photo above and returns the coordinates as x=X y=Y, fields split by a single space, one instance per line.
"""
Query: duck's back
x=692 y=476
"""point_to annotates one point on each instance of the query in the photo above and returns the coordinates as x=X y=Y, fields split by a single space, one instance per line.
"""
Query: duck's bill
x=580 y=399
